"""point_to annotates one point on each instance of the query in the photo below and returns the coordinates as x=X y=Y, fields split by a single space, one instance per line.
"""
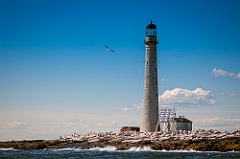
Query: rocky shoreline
x=200 y=140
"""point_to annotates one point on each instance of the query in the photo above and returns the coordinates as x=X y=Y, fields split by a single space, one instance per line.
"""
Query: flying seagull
x=109 y=49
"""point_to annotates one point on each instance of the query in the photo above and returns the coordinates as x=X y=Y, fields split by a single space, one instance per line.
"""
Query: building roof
x=182 y=120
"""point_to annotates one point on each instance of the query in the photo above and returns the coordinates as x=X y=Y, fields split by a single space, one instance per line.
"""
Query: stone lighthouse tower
x=150 y=103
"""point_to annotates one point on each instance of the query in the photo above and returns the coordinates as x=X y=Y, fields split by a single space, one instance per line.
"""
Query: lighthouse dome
x=151 y=26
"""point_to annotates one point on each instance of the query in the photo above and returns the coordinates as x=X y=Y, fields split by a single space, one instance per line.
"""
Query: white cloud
x=126 y=109
x=163 y=79
x=233 y=93
x=16 y=125
x=52 y=124
x=238 y=76
x=221 y=72
x=181 y=97
x=113 y=122
x=100 y=124
x=184 y=97
x=134 y=107
x=218 y=123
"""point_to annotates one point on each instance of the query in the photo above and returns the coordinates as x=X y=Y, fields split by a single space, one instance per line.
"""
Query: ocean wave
x=191 y=150
x=149 y=149
x=134 y=149
x=6 y=149
x=107 y=148
x=144 y=148
x=65 y=149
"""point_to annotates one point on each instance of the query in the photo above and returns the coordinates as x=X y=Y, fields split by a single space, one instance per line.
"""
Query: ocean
x=111 y=152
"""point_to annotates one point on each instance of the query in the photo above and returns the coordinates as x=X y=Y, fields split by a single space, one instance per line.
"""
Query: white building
x=169 y=122
x=183 y=124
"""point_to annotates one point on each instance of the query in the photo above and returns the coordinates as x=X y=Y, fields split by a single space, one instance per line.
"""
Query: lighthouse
x=150 y=103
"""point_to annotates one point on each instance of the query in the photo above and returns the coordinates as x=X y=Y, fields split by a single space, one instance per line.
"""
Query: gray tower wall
x=150 y=104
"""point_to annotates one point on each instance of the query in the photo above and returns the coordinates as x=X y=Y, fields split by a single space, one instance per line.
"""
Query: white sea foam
x=107 y=148
x=137 y=149
x=113 y=148
x=191 y=150
x=6 y=149
x=132 y=149
x=64 y=149
x=145 y=148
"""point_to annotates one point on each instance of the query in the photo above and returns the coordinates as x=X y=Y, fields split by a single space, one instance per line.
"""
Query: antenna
x=167 y=120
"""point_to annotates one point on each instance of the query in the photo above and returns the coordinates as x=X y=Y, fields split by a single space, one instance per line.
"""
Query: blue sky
x=58 y=78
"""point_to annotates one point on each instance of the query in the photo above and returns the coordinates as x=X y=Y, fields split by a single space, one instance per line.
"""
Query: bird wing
x=109 y=49
x=106 y=46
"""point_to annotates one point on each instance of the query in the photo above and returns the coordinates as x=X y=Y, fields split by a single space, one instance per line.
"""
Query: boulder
x=130 y=128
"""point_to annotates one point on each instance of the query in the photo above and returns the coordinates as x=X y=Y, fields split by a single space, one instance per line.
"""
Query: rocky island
x=200 y=140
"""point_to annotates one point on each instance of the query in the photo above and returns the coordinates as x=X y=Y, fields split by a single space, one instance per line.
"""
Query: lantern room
x=151 y=30
x=151 y=34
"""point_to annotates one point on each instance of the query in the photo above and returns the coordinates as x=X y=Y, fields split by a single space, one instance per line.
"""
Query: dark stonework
x=200 y=140
x=222 y=145
x=130 y=128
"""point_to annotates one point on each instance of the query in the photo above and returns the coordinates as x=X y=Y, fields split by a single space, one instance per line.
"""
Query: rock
x=129 y=128
x=202 y=140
